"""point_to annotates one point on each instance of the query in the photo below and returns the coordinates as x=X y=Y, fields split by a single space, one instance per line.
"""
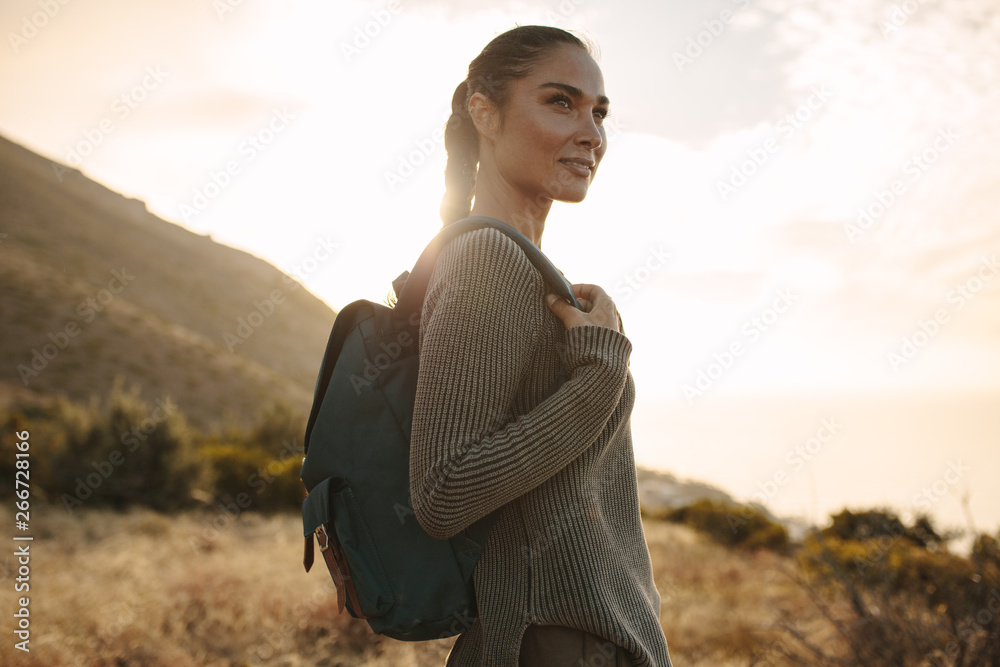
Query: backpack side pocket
x=332 y=511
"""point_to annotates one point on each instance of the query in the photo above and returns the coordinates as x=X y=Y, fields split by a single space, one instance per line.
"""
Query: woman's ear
x=483 y=113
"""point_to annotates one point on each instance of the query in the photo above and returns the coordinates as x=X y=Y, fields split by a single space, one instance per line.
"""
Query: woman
x=565 y=577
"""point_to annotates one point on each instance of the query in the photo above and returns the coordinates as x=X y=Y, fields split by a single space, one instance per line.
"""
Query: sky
x=798 y=200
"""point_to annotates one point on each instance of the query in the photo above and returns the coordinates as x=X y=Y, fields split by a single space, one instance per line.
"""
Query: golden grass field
x=141 y=588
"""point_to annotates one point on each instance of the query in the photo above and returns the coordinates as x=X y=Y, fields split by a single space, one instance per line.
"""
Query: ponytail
x=461 y=142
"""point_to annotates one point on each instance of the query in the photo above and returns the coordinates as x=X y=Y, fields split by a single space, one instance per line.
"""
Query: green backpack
x=387 y=569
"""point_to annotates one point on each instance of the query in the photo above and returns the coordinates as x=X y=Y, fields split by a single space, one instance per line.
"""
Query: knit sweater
x=568 y=548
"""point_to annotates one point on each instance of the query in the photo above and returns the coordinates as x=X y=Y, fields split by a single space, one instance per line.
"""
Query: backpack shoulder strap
x=412 y=297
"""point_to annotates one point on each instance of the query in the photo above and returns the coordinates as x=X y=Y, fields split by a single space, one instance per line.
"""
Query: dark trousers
x=557 y=646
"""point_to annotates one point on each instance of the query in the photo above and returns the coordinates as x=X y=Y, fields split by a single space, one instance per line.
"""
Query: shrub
x=126 y=451
x=732 y=525
x=279 y=430
x=909 y=600
x=263 y=463
x=144 y=453
x=245 y=474
x=47 y=442
x=872 y=524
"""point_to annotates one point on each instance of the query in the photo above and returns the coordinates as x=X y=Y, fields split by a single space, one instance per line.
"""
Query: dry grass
x=142 y=588
x=131 y=589
x=722 y=606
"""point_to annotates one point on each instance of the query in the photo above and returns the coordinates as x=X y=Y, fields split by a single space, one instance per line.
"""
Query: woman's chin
x=572 y=196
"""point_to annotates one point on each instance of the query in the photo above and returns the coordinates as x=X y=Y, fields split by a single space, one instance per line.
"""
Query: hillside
x=96 y=287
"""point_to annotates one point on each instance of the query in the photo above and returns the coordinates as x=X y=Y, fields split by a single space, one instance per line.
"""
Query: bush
x=118 y=452
x=732 y=525
x=251 y=478
x=262 y=463
x=47 y=443
x=279 y=431
x=128 y=452
x=910 y=601
x=878 y=523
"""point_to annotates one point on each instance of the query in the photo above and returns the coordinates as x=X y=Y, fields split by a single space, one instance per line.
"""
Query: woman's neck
x=521 y=213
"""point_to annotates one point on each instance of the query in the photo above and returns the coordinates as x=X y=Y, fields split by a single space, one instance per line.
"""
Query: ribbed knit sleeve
x=470 y=453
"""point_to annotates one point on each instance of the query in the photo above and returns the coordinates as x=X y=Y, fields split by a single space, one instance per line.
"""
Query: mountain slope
x=95 y=286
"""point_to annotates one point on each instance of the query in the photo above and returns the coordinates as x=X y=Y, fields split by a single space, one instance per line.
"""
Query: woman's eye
x=602 y=113
x=560 y=100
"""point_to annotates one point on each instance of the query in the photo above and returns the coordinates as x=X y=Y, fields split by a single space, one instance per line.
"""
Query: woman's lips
x=578 y=167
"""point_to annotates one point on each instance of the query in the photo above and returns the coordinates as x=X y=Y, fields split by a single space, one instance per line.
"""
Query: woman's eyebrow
x=573 y=91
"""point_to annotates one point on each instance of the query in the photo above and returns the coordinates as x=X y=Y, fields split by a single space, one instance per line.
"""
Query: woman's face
x=551 y=138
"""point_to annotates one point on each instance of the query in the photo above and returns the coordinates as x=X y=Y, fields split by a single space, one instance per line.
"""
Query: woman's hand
x=597 y=308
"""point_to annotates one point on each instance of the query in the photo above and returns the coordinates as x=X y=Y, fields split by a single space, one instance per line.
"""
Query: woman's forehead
x=569 y=66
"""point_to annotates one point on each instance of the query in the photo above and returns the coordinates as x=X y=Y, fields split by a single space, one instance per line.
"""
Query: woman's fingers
x=587 y=293
x=563 y=310
x=596 y=308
